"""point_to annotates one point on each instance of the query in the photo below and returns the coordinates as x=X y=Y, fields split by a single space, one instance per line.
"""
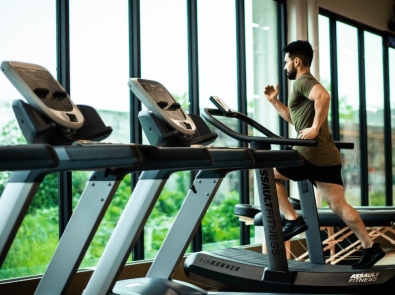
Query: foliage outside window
x=22 y=24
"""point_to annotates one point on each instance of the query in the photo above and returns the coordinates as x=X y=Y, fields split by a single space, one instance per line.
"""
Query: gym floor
x=389 y=257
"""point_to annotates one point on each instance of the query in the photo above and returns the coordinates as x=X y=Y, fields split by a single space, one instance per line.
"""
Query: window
x=262 y=60
x=30 y=31
x=164 y=59
x=375 y=117
x=358 y=89
x=217 y=76
x=324 y=55
x=392 y=104
x=99 y=72
x=348 y=93
x=262 y=56
x=164 y=45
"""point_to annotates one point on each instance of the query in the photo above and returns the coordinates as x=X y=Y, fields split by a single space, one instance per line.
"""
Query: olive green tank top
x=302 y=114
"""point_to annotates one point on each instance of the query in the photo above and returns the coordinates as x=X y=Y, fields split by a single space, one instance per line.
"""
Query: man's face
x=289 y=67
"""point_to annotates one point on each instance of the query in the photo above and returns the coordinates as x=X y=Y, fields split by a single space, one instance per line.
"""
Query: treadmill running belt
x=243 y=270
x=259 y=260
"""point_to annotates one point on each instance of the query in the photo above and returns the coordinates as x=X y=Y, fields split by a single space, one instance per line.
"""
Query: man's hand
x=308 y=133
x=282 y=109
x=271 y=93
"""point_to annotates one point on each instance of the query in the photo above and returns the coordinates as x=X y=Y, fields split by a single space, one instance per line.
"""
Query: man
x=307 y=110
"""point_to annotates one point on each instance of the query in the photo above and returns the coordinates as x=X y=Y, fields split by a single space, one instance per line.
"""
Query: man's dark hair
x=301 y=49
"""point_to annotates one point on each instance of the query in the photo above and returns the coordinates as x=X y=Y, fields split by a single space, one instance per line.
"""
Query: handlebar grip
x=344 y=145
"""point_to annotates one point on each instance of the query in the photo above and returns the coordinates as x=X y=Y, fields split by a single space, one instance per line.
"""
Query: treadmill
x=82 y=149
x=157 y=120
x=49 y=119
x=255 y=272
x=41 y=133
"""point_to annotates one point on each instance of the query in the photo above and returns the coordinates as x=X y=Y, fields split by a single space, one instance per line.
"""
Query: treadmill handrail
x=25 y=157
x=271 y=138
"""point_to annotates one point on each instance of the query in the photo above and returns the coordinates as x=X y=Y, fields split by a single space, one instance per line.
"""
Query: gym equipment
x=24 y=156
x=379 y=224
x=78 y=149
x=138 y=208
x=379 y=221
x=78 y=153
x=22 y=185
x=247 y=271
x=157 y=124
x=43 y=93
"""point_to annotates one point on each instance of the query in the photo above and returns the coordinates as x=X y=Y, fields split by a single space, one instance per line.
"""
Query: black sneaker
x=294 y=227
x=369 y=257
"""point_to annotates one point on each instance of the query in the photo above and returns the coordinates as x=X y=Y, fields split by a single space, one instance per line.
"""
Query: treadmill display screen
x=165 y=101
x=158 y=93
x=46 y=88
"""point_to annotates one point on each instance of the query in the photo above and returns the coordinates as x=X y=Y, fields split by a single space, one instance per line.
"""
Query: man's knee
x=279 y=176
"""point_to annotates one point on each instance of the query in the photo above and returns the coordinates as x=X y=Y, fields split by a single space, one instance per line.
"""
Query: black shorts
x=328 y=174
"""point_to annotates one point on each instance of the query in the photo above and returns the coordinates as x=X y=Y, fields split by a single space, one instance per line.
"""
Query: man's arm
x=321 y=99
x=282 y=109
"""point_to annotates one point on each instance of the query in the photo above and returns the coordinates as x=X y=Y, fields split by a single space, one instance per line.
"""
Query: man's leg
x=333 y=194
x=285 y=205
x=294 y=224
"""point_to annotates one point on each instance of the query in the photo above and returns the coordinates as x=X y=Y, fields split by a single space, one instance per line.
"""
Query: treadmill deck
x=238 y=269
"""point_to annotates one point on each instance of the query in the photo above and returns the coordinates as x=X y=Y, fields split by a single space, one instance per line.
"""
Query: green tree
x=39 y=229
x=220 y=224
x=47 y=194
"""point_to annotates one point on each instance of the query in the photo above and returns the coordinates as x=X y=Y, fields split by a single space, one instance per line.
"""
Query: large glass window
x=164 y=59
x=99 y=70
x=164 y=45
x=324 y=61
x=262 y=56
x=28 y=32
x=349 y=79
x=324 y=54
x=217 y=51
x=348 y=93
x=218 y=76
x=374 y=86
x=391 y=54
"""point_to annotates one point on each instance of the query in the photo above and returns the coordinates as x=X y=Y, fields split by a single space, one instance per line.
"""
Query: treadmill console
x=43 y=92
x=158 y=100
x=221 y=105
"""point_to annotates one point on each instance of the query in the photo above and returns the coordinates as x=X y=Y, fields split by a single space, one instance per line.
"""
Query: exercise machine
x=151 y=183
x=80 y=149
x=378 y=219
x=157 y=120
x=22 y=185
x=255 y=272
x=77 y=148
x=340 y=243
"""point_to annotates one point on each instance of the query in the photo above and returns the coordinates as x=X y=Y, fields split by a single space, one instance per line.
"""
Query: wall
x=373 y=13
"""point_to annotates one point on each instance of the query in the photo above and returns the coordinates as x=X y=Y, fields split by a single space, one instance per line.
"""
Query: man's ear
x=297 y=61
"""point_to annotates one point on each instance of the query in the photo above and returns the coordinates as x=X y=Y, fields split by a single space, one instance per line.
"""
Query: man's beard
x=291 y=74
